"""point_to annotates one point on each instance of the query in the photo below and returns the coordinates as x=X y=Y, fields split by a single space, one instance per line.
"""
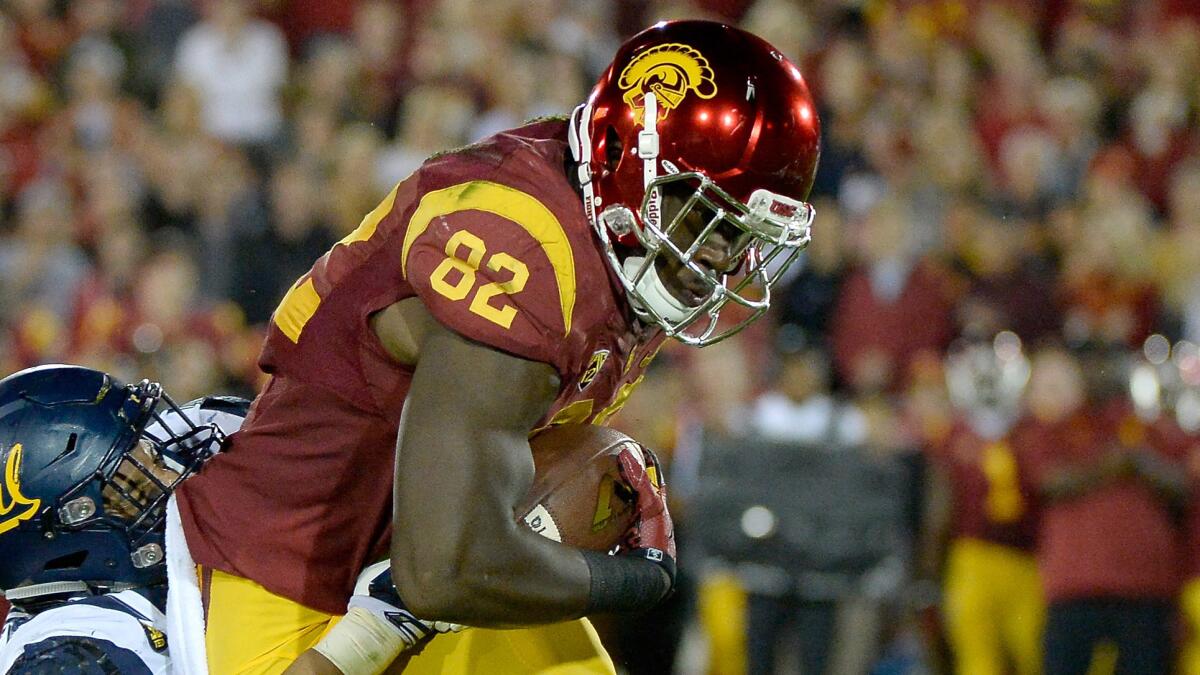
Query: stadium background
x=169 y=167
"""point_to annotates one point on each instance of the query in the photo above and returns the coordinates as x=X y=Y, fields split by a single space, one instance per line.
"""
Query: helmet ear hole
x=612 y=149
x=67 y=562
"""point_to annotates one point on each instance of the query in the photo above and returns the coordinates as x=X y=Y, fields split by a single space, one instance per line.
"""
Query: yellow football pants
x=994 y=609
x=251 y=631
x=722 y=614
x=1189 y=607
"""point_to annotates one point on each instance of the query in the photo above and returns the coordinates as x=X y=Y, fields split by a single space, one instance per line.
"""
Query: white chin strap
x=649 y=297
x=652 y=292
x=648 y=147
x=580 y=143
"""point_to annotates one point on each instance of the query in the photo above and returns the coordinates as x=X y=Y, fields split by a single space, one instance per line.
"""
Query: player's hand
x=375 y=592
x=652 y=535
x=376 y=630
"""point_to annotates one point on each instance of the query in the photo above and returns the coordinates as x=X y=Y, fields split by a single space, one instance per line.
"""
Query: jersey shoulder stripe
x=511 y=204
x=302 y=300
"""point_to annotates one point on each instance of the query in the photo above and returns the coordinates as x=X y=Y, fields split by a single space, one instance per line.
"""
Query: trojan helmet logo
x=14 y=506
x=671 y=71
x=599 y=358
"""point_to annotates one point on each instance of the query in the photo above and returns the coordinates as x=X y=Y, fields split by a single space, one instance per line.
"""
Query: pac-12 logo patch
x=599 y=358
x=671 y=71
x=11 y=499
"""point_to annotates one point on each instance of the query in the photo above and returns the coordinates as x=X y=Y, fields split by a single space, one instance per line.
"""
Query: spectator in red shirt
x=1111 y=490
x=892 y=307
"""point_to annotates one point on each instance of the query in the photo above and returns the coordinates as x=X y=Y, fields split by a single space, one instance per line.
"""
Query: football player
x=984 y=503
x=89 y=464
x=521 y=282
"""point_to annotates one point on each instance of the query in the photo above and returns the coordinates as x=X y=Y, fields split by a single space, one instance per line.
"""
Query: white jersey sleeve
x=226 y=412
x=123 y=632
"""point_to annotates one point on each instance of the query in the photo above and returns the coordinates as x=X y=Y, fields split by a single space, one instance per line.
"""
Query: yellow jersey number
x=454 y=277
x=302 y=300
x=1004 y=502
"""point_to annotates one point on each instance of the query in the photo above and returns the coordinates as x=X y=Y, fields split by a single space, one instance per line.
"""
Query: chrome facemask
x=986 y=381
x=770 y=234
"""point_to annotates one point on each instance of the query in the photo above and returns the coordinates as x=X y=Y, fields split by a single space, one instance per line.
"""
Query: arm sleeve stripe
x=302 y=300
x=512 y=204
x=297 y=307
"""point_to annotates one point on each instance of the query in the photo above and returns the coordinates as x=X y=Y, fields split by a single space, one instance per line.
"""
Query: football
x=578 y=496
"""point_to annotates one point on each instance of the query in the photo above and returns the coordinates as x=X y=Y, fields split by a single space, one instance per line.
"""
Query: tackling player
x=89 y=464
x=524 y=281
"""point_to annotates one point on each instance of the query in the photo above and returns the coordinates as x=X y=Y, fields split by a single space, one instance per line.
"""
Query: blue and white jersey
x=121 y=632
x=115 y=633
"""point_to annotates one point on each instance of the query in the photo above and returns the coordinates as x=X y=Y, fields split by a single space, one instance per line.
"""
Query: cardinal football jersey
x=993 y=498
x=494 y=242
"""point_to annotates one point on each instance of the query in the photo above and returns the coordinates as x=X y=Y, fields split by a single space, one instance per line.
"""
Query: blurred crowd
x=1021 y=180
x=169 y=167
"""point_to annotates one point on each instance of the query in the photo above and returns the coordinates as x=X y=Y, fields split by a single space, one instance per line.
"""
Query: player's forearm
x=1168 y=481
x=1067 y=484
x=506 y=579
x=480 y=567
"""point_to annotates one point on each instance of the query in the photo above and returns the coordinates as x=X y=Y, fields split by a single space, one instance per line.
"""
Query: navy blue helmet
x=85 y=483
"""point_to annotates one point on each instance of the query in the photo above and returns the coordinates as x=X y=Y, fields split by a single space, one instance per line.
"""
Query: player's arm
x=1072 y=481
x=1168 y=480
x=462 y=465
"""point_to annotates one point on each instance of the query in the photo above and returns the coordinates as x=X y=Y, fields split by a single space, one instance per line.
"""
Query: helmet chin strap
x=648 y=148
x=653 y=293
x=649 y=290
x=58 y=588
x=580 y=143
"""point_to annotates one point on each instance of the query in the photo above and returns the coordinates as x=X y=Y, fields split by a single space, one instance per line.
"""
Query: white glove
x=377 y=627
x=375 y=592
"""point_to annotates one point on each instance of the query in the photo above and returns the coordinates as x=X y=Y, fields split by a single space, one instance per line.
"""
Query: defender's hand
x=376 y=630
x=375 y=592
x=652 y=535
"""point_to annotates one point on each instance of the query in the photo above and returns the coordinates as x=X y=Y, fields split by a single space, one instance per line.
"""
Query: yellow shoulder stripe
x=512 y=204
x=302 y=301
x=366 y=228
x=296 y=308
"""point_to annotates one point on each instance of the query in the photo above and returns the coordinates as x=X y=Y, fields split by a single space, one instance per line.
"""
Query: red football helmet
x=717 y=115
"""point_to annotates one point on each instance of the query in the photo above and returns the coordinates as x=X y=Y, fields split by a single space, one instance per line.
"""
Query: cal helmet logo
x=671 y=71
x=14 y=506
x=599 y=358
